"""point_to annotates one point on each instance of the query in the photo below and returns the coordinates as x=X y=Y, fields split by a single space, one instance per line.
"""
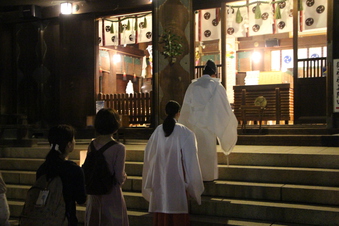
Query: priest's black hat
x=210 y=67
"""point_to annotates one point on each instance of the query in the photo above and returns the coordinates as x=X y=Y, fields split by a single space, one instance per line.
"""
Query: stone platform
x=262 y=185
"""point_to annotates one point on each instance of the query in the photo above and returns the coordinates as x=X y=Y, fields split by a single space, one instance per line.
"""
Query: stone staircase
x=263 y=185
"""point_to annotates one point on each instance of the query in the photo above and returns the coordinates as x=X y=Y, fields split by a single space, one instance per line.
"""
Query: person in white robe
x=207 y=112
x=171 y=168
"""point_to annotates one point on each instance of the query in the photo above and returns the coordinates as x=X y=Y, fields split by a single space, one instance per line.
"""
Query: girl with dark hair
x=61 y=140
x=171 y=170
x=108 y=209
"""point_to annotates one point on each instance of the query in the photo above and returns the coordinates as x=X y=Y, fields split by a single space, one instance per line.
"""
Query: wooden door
x=310 y=91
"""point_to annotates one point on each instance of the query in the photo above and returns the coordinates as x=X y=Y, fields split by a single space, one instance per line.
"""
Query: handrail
x=312 y=67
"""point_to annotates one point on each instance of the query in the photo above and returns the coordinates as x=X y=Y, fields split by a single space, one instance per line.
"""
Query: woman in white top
x=171 y=170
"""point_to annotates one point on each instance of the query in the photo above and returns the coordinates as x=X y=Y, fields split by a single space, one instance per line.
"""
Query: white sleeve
x=195 y=186
x=147 y=170
x=222 y=120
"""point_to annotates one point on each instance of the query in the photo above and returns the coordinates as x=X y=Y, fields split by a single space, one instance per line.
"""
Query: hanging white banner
x=232 y=27
x=210 y=25
x=315 y=14
x=145 y=30
x=128 y=34
x=263 y=25
x=111 y=38
x=285 y=24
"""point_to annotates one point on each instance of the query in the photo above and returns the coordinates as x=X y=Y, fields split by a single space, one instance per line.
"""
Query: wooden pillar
x=77 y=54
x=172 y=75
x=332 y=53
x=223 y=45
x=295 y=53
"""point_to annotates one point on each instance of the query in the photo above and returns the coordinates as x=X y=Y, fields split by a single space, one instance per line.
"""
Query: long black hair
x=58 y=137
x=172 y=108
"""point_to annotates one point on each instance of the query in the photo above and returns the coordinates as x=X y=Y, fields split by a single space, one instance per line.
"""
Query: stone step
x=233 y=189
x=137 y=218
x=200 y=220
x=289 y=140
x=135 y=153
x=264 y=174
x=230 y=208
x=274 y=157
x=18 y=177
x=265 y=185
x=290 y=156
x=22 y=163
x=38 y=152
x=329 y=161
x=269 y=211
x=284 y=175
x=267 y=174
x=273 y=192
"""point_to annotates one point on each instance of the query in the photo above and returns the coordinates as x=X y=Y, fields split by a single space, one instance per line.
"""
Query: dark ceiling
x=98 y=5
x=41 y=3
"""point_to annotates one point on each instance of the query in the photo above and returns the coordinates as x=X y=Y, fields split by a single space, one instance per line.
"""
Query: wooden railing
x=199 y=69
x=312 y=67
x=279 y=99
x=137 y=106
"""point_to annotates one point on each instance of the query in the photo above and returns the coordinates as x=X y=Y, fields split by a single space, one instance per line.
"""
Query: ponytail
x=172 y=108
x=168 y=125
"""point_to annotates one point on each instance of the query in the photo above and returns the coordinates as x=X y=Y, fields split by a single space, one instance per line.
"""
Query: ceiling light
x=66 y=8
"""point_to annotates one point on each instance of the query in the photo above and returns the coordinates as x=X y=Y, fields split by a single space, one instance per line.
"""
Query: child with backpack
x=107 y=206
x=59 y=186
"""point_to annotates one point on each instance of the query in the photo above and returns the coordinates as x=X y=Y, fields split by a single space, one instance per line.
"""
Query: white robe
x=171 y=168
x=207 y=112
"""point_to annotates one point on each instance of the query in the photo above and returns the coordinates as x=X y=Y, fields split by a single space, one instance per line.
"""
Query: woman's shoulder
x=116 y=144
x=70 y=164
x=116 y=147
x=183 y=128
x=159 y=128
x=71 y=168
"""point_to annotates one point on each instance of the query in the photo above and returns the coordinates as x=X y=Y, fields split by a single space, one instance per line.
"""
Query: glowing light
x=66 y=8
x=256 y=57
x=116 y=58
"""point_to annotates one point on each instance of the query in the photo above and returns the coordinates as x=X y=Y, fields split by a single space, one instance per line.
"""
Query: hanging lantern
x=124 y=76
x=136 y=23
x=128 y=25
x=277 y=14
x=257 y=12
x=145 y=23
x=112 y=29
x=121 y=27
x=238 y=18
x=300 y=5
x=134 y=77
